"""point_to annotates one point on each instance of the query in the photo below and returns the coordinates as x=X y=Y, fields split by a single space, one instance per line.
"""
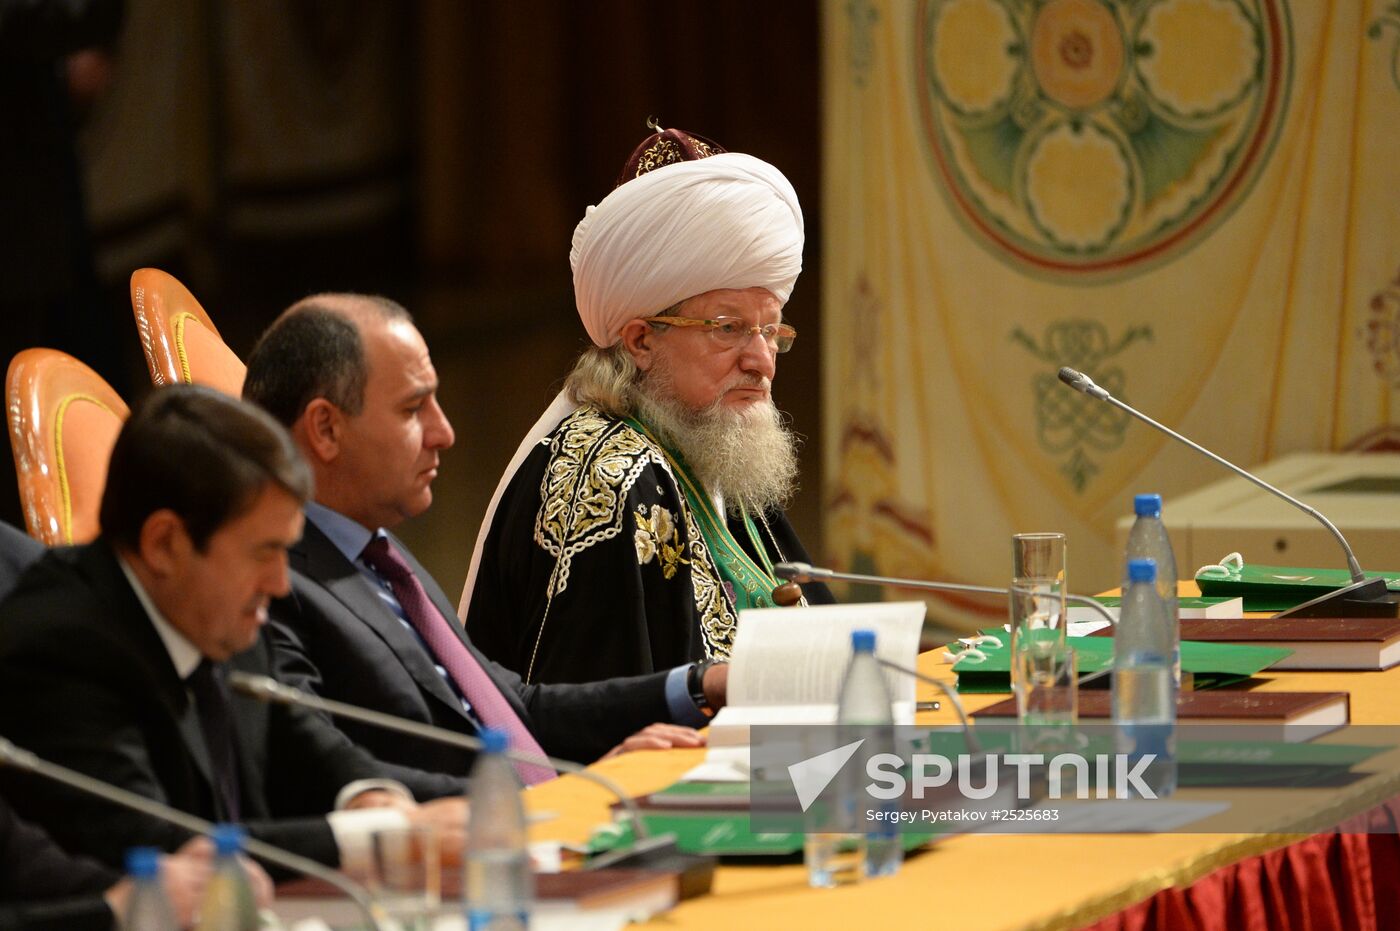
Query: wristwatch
x=695 y=683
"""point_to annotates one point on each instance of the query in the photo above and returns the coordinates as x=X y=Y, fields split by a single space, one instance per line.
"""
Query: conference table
x=1314 y=857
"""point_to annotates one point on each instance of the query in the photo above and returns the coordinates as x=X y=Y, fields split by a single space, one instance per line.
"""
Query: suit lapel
x=317 y=558
x=441 y=602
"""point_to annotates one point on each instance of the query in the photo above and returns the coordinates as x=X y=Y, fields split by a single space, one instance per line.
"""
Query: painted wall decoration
x=1080 y=136
x=1190 y=200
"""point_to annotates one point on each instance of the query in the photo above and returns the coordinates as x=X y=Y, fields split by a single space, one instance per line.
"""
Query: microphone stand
x=646 y=851
x=972 y=744
x=1363 y=597
x=24 y=760
x=802 y=572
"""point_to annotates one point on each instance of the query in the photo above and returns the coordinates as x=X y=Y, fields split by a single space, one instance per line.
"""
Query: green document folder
x=1276 y=588
x=1211 y=664
x=1189 y=601
x=719 y=834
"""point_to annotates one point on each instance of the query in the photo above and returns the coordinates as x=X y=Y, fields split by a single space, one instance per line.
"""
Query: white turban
x=727 y=221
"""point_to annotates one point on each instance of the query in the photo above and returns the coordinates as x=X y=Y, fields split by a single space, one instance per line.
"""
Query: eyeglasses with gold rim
x=733 y=332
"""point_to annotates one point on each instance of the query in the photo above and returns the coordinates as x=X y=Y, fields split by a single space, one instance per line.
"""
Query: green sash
x=750 y=585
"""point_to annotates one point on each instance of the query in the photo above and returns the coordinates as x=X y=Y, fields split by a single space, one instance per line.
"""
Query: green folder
x=1212 y=665
x=733 y=795
x=1277 y=588
x=1189 y=601
x=719 y=834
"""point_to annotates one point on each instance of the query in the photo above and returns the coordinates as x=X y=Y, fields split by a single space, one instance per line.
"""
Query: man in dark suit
x=115 y=654
x=42 y=887
x=352 y=379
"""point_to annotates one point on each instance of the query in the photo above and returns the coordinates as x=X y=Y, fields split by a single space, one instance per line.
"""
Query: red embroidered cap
x=665 y=147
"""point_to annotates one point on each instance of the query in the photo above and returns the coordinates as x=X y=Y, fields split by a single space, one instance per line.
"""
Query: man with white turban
x=644 y=509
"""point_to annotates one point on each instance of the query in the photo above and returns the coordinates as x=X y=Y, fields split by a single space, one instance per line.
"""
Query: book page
x=797 y=656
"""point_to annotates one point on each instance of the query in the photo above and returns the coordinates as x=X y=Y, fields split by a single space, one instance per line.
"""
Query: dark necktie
x=211 y=700
x=447 y=647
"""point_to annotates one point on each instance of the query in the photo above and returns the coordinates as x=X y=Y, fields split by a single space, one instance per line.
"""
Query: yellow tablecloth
x=1001 y=882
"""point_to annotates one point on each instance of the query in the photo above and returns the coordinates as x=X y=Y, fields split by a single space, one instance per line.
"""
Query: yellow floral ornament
x=657 y=538
x=1100 y=137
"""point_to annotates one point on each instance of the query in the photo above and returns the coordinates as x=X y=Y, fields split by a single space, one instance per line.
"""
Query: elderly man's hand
x=659 y=737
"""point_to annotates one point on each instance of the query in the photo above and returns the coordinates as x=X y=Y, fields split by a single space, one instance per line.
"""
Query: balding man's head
x=352 y=379
x=315 y=350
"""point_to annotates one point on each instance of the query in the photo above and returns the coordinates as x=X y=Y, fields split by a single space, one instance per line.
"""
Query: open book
x=788 y=664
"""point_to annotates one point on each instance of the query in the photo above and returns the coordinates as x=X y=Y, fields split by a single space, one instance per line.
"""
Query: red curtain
x=1345 y=880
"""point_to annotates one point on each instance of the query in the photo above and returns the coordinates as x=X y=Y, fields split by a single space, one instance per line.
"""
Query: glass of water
x=407 y=879
x=1049 y=693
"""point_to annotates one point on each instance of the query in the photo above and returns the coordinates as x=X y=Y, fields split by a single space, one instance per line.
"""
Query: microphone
x=802 y=572
x=25 y=761
x=1362 y=598
x=654 y=852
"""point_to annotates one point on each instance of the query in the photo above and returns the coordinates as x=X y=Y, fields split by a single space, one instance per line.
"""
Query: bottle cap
x=1142 y=570
x=863 y=641
x=494 y=740
x=1147 y=505
x=228 y=839
x=143 y=862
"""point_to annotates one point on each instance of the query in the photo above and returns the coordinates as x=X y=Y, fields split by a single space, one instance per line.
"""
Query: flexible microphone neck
x=802 y=572
x=267 y=689
x=1081 y=382
x=949 y=692
x=26 y=761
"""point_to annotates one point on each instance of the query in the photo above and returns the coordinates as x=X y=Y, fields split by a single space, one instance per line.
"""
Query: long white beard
x=748 y=456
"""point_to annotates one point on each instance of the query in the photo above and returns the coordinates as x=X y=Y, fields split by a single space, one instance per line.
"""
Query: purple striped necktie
x=447 y=647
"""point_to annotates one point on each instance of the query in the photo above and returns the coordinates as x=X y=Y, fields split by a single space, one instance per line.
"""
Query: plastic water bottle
x=865 y=700
x=1149 y=540
x=147 y=909
x=1144 y=693
x=497 y=879
x=228 y=903
x=865 y=847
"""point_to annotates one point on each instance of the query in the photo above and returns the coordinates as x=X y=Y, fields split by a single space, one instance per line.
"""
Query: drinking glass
x=1049 y=693
x=407 y=879
x=1038 y=556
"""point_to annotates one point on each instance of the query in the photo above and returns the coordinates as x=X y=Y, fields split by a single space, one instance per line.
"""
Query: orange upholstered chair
x=181 y=343
x=64 y=420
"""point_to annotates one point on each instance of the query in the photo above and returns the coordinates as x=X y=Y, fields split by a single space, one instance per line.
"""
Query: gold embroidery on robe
x=658 y=538
x=593 y=465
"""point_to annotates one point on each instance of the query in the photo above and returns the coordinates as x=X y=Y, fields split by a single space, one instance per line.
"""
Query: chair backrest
x=181 y=343
x=64 y=420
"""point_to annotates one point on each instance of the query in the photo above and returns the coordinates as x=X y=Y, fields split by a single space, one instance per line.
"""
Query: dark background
x=494 y=125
